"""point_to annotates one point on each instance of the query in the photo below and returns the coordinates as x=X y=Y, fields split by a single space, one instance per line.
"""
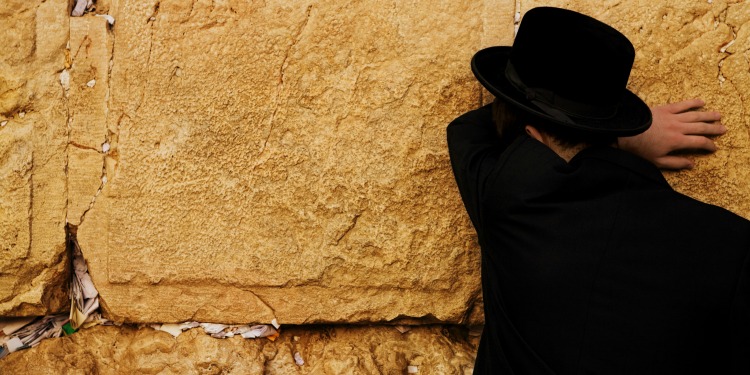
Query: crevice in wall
x=108 y=135
x=91 y=45
x=34 y=329
x=81 y=289
x=473 y=305
x=31 y=203
x=64 y=80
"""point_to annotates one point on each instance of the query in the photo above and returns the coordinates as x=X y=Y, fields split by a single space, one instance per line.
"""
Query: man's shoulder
x=710 y=213
x=687 y=221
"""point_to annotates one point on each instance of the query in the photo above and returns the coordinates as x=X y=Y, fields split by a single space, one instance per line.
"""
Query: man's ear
x=534 y=133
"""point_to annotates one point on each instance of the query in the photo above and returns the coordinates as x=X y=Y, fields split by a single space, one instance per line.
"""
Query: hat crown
x=576 y=57
x=568 y=69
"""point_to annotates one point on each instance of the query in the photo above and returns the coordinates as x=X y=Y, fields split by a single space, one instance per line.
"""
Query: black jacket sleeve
x=474 y=150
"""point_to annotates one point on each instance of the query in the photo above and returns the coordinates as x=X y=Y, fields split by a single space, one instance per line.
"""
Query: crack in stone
x=349 y=228
x=106 y=120
x=31 y=206
x=150 y=21
x=257 y=297
x=103 y=177
x=192 y=6
x=155 y=13
x=295 y=41
x=282 y=67
x=472 y=306
x=10 y=90
x=85 y=44
x=68 y=134
x=273 y=311
x=723 y=50
x=82 y=147
x=98 y=191
x=108 y=96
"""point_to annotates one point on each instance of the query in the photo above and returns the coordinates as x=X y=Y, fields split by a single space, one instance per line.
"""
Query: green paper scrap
x=68 y=329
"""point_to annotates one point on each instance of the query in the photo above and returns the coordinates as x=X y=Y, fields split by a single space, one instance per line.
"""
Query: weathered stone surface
x=90 y=56
x=289 y=161
x=286 y=161
x=687 y=50
x=32 y=157
x=325 y=350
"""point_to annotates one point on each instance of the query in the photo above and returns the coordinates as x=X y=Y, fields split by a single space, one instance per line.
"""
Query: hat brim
x=633 y=115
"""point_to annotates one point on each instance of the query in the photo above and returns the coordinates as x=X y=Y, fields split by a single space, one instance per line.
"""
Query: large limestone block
x=324 y=350
x=286 y=160
x=686 y=50
x=33 y=140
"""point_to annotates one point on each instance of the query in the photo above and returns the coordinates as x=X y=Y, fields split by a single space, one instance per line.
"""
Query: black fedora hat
x=567 y=68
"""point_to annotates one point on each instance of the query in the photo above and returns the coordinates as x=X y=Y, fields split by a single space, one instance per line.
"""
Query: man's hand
x=676 y=127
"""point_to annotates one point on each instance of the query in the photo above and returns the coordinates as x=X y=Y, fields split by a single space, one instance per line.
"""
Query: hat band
x=556 y=106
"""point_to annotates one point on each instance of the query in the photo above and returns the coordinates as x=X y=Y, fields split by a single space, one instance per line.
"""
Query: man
x=591 y=263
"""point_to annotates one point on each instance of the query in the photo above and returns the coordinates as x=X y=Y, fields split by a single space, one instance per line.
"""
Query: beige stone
x=84 y=181
x=325 y=350
x=274 y=160
x=90 y=56
x=32 y=158
x=289 y=161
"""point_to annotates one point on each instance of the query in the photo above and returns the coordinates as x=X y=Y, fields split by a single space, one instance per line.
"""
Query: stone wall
x=244 y=161
x=240 y=161
x=324 y=350
x=33 y=157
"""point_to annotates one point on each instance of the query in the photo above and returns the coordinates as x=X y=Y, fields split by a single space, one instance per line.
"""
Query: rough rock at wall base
x=324 y=350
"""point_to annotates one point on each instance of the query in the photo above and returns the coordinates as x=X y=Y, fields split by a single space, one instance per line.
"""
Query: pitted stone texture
x=32 y=158
x=325 y=350
x=683 y=51
x=90 y=56
x=285 y=160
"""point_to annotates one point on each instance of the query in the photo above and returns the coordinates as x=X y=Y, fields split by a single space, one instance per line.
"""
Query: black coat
x=597 y=266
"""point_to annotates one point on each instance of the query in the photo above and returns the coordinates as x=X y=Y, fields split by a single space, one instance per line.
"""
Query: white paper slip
x=11 y=325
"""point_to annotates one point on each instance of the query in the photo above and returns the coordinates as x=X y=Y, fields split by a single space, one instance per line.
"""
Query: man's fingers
x=674 y=162
x=701 y=128
x=696 y=142
x=685 y=105
x=695 y=116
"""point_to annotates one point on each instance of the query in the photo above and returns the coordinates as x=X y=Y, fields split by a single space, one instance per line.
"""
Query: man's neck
x=564 y=151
